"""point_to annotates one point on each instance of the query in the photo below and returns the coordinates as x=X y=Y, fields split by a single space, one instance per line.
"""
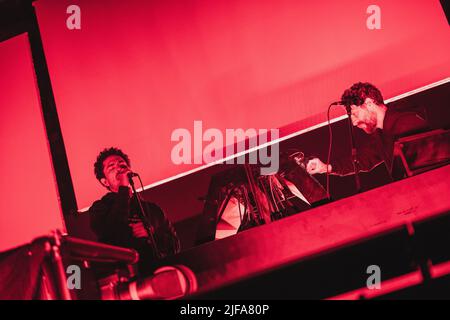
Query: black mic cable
x=330 y=143
x=151 y=238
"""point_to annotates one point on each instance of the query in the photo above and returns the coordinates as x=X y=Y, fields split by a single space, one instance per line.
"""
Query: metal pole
x=66 y=194
x=58 y=267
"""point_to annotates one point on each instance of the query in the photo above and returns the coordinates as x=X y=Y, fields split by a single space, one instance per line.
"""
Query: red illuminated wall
x=28 y=198
x=137 y=70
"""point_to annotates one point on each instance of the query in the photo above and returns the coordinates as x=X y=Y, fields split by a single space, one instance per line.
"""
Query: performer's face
x=115 y=169
x=364 y=117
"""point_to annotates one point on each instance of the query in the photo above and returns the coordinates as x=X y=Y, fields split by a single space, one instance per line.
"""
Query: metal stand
x=141 y=214
x=54 y=245
x=354 y=159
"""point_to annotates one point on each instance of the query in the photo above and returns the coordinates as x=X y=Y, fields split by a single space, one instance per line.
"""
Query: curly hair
x=358 y=93
x=98 y=165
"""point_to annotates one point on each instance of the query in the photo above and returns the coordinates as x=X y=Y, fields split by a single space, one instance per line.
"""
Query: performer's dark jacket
x=110 y=218
x=380 y=145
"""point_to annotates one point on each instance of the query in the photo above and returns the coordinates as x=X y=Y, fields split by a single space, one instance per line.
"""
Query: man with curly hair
x=370 y=114
x=114 y=218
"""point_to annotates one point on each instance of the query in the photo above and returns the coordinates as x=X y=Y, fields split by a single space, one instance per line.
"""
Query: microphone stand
x=352 y=142
x=141 y=214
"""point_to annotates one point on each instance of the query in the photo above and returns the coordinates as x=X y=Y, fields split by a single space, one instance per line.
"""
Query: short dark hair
x=358 y=93
x=98 y=165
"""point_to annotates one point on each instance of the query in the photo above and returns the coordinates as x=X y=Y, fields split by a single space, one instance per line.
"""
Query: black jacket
x=379 y=146
x=110 y=221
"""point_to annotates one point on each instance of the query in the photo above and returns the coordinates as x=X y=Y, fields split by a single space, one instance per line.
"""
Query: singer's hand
x=316 y=166
x=122 y=177
x=138 y=230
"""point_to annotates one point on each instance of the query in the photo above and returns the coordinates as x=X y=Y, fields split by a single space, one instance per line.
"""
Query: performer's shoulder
x=405 y=123
x=102 y=202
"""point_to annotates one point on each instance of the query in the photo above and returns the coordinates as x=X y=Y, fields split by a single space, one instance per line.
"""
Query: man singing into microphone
x=115 y=217
x=370 y=114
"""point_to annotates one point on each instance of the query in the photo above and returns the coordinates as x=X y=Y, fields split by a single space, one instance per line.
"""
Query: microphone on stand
x=344 y=104
x=130 y=176
x=337 y=103
x=348 y=108
x=141 y=214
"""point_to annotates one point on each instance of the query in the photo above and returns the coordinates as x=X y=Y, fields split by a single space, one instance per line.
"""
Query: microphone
x=344 y=104
x=132 y=174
